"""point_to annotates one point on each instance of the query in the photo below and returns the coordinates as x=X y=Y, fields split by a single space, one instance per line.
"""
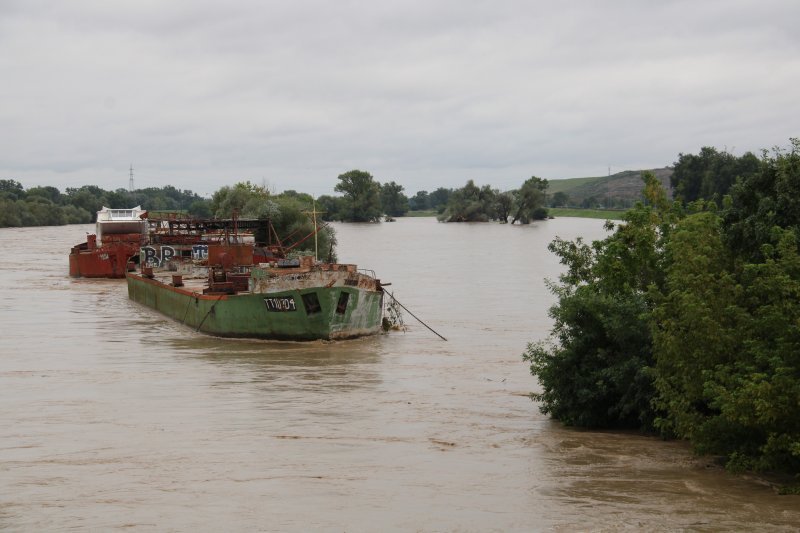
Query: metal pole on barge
x=316 y=247
x=314 y=214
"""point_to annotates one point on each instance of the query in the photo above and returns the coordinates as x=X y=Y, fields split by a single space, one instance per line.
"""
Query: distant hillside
x=622 y=189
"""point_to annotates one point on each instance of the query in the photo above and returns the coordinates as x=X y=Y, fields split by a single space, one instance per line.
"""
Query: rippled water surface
x=112 y=416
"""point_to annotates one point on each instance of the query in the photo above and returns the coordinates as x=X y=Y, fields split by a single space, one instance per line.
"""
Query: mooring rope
x=415 y=316
x=212 y=308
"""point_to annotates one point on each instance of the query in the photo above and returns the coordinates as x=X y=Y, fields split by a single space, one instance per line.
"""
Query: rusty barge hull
x=110 y=261
x=291 y=309
x=118 y=235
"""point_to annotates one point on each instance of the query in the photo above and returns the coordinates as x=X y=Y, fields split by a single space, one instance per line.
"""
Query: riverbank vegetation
x=685 y=320
x=361 y=199
x=47 y=206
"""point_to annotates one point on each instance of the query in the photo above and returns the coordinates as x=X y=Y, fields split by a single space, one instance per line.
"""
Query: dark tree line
x=707 y=175
x=48 y=206
x=686 y=319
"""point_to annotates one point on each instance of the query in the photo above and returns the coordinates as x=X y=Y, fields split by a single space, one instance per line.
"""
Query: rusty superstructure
x=121 y=234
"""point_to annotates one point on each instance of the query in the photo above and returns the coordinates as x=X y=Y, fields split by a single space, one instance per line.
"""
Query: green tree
x=469 y=204
x=245 y=198
x=291 y=220
x=764 y=200
x=90 y=198
x=50 y=193
x=200 y=208
x=121 y=199
x=726 y=340
x=331 y=207
x=710 y=174
x=420 y=201
x=503 y=205
x=44 y=212
x=439 y=198
x=488 y=199
x=394 y=202
x=590 y=203
x=301 y=197
x=472 y=203
x=596 y=369
x=11 y=190
x=758 y=396
x=361 y=196
x=696 y=323
x=673 y=323
x=9 y=215
x=727 y=328
x=559 y=199
x=167 y=198
x=288 y=213
x=530 y=200
x=76 y=215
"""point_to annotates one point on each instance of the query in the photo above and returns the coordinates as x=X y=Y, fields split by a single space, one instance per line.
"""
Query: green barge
x=303 y=301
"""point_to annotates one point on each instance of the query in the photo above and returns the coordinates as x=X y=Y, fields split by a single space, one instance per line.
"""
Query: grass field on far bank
x=612 y=214
x=422 y=213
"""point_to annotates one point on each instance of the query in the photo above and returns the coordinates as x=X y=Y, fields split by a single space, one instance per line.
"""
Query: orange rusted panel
x=230 y=254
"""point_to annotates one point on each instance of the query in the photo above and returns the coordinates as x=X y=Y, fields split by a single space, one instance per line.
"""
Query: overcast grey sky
x=199 y=94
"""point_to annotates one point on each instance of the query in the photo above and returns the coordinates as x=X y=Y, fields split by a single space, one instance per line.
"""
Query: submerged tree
x=530 y=200
x=361 y=202
x=504 y=203
x=471 y=204
x=393 y=201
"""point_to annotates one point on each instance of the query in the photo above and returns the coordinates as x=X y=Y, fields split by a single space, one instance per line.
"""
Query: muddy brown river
x=112 y=416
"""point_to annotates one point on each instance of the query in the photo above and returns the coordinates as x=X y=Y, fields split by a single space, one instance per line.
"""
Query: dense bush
x=595 y=372
x=686 y=320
